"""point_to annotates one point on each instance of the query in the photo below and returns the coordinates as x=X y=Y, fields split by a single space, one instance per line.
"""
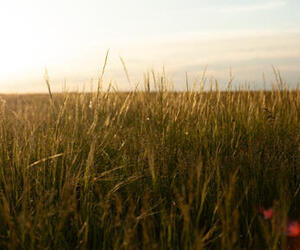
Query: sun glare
x=29 y=40
x=20 y=47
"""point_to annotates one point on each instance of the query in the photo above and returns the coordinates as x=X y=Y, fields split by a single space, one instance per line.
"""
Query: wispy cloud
x=254 y=7
x=248 y=53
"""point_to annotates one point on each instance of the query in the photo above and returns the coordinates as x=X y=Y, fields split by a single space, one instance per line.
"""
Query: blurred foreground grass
x=148 y=170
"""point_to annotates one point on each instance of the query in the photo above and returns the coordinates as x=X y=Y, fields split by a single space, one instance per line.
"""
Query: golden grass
x=148 y=170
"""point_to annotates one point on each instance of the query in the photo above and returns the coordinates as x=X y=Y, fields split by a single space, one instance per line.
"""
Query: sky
x=71 y=37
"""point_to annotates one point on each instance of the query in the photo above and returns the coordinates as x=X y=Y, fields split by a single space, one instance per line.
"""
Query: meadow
x=149 y=169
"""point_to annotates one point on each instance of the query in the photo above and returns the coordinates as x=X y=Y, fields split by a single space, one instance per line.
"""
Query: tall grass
x=148 y=170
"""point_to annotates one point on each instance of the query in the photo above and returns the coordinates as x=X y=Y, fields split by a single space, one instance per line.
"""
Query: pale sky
x=70 y=38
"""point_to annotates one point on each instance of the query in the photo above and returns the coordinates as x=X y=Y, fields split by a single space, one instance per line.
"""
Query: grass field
x=149 y=170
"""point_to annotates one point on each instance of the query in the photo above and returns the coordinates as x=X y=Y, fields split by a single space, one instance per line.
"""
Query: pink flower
x=267 y=213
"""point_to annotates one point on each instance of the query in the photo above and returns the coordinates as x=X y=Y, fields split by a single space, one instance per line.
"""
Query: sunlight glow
x=70 y=38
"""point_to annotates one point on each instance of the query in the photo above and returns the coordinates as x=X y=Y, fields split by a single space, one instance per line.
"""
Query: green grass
x=148 y=170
